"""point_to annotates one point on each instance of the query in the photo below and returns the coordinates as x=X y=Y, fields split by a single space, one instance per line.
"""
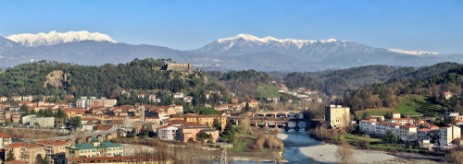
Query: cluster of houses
x=415 y=130
x=56 y=151
x=302 y=93
x=169 y=123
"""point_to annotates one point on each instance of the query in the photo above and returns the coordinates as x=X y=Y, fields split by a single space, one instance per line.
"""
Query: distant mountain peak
x=245 y=43
x=53 y=38
x=268 y=39
x=413 y=52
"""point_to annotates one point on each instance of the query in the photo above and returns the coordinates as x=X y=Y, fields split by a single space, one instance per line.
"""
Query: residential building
x=447 y=134
x=337 y=116
x=190 y=132
x=5 y=140
x=207 y=120
x=3 y=99
x=93 y=102
x=56 y=150
x=178 y=95
x=188 y=99
x=26 y=152
x=408 y=133
x=167 y=133
x=396 y=115
x=447 y=95
x=95 y=148
x=41 y=121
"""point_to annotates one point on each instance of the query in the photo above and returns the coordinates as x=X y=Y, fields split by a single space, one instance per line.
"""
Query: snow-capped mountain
x=308 y=50
x=239 y=52
x=413 y=52
x=245 y=42
x=53 y=38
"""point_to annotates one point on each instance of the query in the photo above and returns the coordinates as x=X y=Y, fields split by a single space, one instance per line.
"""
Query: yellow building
x=55 y=149
x=337 y=116
x=95 y=149
x=26 y=152
x=207 y=120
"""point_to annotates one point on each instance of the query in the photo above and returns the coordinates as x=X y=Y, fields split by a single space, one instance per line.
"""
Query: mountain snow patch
x=413 y=52
x=53 y=38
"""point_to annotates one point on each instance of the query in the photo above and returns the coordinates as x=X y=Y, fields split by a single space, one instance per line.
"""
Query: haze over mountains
x=239 y=52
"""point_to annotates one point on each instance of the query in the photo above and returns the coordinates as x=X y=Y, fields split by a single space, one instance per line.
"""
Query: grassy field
x=409 y=105
x=378 y=144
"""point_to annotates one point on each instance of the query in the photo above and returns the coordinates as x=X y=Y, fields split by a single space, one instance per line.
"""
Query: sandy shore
x=316 y=151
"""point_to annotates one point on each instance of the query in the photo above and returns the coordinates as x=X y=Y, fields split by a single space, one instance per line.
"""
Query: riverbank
x=301 y=148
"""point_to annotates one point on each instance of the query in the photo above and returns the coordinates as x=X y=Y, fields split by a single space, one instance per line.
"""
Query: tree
x=366 y=142
x=60 y=116
x=390 y=137
x=75 y=122
x=247 y=108
x=364 y=115
x=37 y=125
x=10 y=156
x=24 y=109
x=345 y=153
x=245 y=124
x=216 y=124
x=204 y=136
x=388 y=115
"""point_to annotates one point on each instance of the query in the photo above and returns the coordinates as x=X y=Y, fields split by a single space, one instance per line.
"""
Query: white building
x=406 y=133
x=178 y=95
x=396 y=115
x=447 y=134
x=42 y=121
x=168 y=133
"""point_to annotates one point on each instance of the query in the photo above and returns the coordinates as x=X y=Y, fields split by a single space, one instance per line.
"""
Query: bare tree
x=345 y=153
x=245 y=123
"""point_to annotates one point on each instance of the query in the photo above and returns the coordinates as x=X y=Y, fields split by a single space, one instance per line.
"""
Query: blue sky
x=434 y=25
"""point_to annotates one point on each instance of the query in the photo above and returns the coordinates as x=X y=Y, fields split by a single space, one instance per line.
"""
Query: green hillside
x=409 y=105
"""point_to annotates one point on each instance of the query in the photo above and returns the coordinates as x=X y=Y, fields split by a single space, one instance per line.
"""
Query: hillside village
x=88 y=125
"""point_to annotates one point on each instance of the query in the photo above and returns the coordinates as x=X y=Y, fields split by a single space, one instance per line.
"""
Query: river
x=301 y=148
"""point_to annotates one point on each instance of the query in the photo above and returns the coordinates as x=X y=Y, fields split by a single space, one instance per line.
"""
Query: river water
x=301 y=148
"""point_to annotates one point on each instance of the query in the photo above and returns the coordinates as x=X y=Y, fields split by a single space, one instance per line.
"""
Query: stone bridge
x=85 y=137
x=277 y=114
x=285 y=123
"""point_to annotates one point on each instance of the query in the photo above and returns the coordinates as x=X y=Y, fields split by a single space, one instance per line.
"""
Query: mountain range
x=239 y=52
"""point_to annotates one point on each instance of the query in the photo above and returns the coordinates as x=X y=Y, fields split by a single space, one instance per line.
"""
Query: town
x=88 y=129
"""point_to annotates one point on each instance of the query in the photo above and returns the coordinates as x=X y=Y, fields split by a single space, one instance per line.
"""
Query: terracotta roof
x=21 y=144
x=104 y=127
x=4 y=135
x=15 y=162
x=426 y=130
x=52 y=142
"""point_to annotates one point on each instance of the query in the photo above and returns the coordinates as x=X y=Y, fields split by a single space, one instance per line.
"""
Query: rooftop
x=90 y=146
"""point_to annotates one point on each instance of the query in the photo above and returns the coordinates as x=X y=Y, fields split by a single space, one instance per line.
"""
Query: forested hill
x=429 y=81
x=339 y=81
x=52 y=78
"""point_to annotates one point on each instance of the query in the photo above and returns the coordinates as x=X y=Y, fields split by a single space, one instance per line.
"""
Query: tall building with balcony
x=26 y=152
